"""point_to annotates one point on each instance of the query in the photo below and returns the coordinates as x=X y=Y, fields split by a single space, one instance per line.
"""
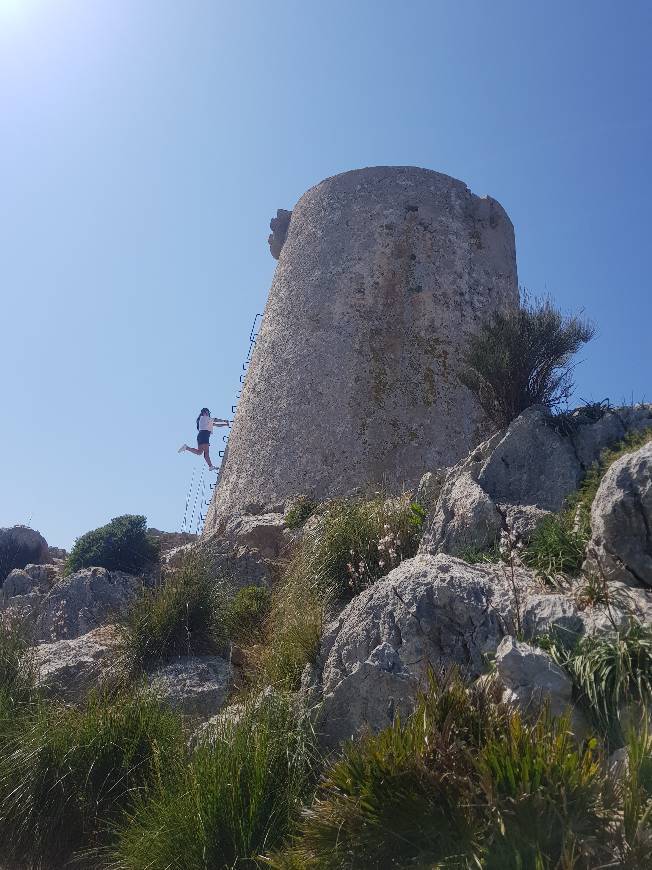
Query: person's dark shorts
x=203 y=437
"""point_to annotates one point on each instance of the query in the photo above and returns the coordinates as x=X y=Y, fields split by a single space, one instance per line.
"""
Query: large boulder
x=69 y=669
x=430 y=611
x=520 y=475
x=84 y=601
x=194 y=685
x=20 y=546
x=621 y=521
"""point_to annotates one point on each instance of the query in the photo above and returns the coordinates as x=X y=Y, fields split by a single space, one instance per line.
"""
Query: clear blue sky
x=145 y=144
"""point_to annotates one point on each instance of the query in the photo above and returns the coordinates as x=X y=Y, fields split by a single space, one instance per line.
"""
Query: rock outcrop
x=353 y=382
x=431 y=611
x=69 y=669
x=621 y=521
x=193 y=685
x=20 y=546
x=511 y=481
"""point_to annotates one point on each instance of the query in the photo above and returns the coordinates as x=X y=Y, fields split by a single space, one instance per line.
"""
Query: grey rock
x=532 y=677
x=551 y=613
x=193 y=685
x=523 y=474
x=84 y=601
x=20 y=546
x=69 y=669
x=532 y=681
x=465 y=517
x=31 y=578
x=279 y=227
x=265 y=533
x=238 y=566
x=429 y=488
x=531 y=464
x=384 y=274
x=621 y=521
x=429 y=611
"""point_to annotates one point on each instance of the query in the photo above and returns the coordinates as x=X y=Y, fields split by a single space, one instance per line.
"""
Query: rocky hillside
x=514 y=587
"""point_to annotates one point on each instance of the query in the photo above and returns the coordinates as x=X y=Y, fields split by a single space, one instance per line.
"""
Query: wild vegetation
x=558 y=545
x=467 y=782
x=184 y=615
x=523 y=357
x=121 y=545
x=612 y=677
x=353 y=544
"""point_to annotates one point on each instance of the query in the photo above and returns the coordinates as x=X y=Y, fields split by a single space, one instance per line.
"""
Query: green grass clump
x=17 y=675
x=121 y=545
x=246 y=614
x=465 y=782
x=354 y=543
x=183 y=616
x=635 y=840
x=609 y=672
x=558 y=545
x=480 y=555
x=357 y=541
x=235 y=799
x=67 y=773
x=301 y=509
x=556 y=548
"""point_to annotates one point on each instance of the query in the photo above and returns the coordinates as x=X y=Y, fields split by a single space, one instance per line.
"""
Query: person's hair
x=203 y=411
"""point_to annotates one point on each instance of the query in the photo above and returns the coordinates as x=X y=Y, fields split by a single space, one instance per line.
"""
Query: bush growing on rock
x=465 y=782
x=355 y=542
x=67 y=773
x=522 y=357
x=16 y=670
x=121 y=545
x=235 y=799
x=612 y=675
x=183 y=616
x=246 y=614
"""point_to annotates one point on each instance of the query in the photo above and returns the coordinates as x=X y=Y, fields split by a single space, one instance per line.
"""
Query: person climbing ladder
x=205 y=425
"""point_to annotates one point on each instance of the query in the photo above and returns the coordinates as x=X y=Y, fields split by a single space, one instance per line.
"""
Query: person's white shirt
x=205 y=423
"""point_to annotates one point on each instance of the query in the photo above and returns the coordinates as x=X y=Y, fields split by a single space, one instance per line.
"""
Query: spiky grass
x=236 y=798
x=610 y=672
x=247 y=613
x=182 y=616
x=465 y=782
x=67 y=772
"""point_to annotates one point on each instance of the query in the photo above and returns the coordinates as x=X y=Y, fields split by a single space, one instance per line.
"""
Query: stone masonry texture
x=353 y=383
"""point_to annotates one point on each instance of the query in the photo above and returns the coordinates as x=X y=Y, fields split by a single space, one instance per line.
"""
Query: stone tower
x=382 y=274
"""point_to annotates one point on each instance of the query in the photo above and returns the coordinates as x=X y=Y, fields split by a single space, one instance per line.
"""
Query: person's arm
x=218 y=422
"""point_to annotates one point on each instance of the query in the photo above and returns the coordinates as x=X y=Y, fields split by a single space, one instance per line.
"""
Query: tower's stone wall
x=353 y=383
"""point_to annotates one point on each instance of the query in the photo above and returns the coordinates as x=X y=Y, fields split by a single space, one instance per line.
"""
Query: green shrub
x=67 y=773
x=479 y=555
x=246 y=614
x=121 y=545
x=301 y=509
x=357 y=541
x=609 y=672
x=183 y=616
x=465 y=782
x=635 y=842
x=235 y=799
x=298 y=614
x=17 y=675
x=354 y=543
x=523 y=357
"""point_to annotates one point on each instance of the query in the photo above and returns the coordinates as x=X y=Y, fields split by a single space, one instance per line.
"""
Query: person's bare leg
x=207 y=456
x=196 y=450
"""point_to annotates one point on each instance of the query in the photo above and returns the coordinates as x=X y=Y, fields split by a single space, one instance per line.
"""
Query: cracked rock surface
x=430 y=611
x=621 y=521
